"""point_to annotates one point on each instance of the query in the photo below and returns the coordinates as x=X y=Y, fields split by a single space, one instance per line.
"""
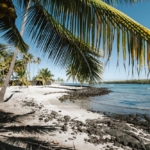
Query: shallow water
x=124 y=99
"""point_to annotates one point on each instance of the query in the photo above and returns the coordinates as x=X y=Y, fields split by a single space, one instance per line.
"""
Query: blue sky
x=140 y=13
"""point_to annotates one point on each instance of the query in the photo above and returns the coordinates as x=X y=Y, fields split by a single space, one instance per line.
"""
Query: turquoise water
x=124 y=99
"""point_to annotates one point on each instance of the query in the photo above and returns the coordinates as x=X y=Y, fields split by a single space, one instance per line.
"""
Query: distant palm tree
x=44 y=75
x=38 y=61
x=7 y=25
x=28 y=59
x=22 y=77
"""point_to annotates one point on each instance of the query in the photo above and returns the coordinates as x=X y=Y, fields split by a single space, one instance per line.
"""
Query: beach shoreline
x=74 y=127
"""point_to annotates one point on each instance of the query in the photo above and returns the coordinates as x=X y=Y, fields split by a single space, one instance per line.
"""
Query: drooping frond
x=8 y=27
x=94 y=21
x=59 y=44
x=115 y=2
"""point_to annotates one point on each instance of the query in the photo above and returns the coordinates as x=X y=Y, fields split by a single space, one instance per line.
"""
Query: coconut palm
x=70 y=31
x=5 y=60
x=28 y=59
x=22 y=77
x=38 y=61
x=44 y=75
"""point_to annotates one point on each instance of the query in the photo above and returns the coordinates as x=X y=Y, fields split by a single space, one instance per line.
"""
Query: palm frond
x=61 y=46
x=115 y=2
x=95 y=15
x=8 y=28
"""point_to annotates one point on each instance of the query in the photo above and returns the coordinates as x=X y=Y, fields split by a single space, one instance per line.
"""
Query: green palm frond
x=60 y=45
x=91 y=20
x=8 y=28
x=114 y=2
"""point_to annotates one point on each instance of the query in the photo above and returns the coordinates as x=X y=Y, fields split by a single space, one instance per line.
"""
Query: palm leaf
x=115 y=2
x=9 y=31
x=58 y=43
x=73 y=11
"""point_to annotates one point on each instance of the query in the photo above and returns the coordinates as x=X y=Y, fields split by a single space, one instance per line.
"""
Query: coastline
x=74 y=127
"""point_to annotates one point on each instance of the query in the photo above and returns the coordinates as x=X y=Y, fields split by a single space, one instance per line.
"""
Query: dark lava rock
x=40 y=118
x=85 y=92
x=114 y=132
x=147 y=146
x=117 y=144
x=67 y=118
x=93 y=139
x=64 y=128
x=90 y=131
x=80 y=129
x=127 y=140
x=46 y=120
x=54 y=113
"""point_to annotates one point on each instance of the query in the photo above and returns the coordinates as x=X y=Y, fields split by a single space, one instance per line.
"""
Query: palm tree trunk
x=6 y=82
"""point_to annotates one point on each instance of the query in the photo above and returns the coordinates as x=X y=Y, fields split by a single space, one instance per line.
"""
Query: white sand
x=50 y=102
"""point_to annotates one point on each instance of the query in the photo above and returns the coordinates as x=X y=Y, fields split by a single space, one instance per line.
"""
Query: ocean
x=124 y=99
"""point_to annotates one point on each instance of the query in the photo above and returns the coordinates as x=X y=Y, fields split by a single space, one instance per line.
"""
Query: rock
x=114 y=132
x=40 y=118
x=46 y=120
x=117 y=144
x=50 y=118
x=70 y=139
x=93 y=139
x=147 y=146
x=80 y=129
x=64 y=128
x=54 y=113
x=67 y=118
x=90 y=131
x=127 y=140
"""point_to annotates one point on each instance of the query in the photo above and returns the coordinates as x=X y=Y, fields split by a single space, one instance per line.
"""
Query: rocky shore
x=84 y=93
x=40 y=121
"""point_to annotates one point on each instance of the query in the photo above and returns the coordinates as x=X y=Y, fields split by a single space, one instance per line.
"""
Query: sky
x=139 y=12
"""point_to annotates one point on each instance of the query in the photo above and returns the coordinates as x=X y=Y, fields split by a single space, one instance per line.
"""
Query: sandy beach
x=63 y=125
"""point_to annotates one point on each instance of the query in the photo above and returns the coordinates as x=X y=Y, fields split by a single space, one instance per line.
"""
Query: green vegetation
x=142 y=81
x=44 y=75
x=20 y=74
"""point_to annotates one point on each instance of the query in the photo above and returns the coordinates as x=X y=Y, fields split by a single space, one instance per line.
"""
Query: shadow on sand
x=25 y=137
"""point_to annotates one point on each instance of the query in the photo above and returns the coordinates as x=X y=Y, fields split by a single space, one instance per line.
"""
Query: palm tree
x=44 y=76
x=28 y=58
x=11 y=34
x=22 y=77
x=38 y=61
x=70 y=32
